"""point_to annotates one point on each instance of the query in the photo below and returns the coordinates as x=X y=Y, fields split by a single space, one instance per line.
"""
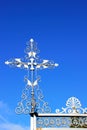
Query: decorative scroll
x=73 y=116
x=25 y=105
x=61 y=122
x=32 y=97
x=73 y=105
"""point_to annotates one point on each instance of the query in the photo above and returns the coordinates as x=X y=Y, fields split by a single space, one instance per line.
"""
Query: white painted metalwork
x=73 y=106
x=32 y=95
x=72 y=116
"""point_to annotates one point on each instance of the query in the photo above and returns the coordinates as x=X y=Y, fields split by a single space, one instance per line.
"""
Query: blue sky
x=60 y=29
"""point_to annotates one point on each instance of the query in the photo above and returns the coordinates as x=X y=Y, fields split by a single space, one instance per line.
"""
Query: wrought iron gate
x=72 y=116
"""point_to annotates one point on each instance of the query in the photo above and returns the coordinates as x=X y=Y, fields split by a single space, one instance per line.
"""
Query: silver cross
x=32 y=63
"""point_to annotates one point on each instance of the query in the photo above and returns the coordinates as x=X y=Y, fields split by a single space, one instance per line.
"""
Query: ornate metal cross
x=32 y=63
x=73 y=116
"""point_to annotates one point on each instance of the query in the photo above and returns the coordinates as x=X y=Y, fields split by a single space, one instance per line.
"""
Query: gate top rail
x=60 y=115
x=55 y=120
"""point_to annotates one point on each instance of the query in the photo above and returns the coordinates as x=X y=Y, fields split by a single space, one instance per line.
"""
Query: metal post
x=33 y=122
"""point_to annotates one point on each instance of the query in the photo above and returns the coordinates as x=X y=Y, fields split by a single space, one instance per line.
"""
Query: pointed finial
x=7 y=62
x=31 y=40
x=56 y=65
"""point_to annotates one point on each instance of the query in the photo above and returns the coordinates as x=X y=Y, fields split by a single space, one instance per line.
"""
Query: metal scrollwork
x=53 y=122
x=78 y=122
x=31 y=95
x=73 y=116
x=32 y=99
x=61 y=122
x=73 y=105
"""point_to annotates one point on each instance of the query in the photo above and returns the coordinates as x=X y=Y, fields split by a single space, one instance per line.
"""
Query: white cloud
x=5 y=112
x=5 y=124
x=3 y=105
x=11 y=126
x=2 y=119
x=4 y=109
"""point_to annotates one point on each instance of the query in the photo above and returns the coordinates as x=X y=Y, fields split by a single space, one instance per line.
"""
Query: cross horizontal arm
x=17 y=63
x=46 y=64
x=20 y=64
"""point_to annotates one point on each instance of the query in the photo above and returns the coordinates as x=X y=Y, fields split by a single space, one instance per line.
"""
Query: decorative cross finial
x=32 y=63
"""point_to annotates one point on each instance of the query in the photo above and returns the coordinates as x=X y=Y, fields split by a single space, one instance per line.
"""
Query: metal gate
x=72 y=116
